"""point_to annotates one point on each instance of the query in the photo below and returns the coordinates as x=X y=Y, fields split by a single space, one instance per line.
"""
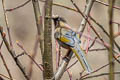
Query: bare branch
x=115 y=7
x=39 y=66
x=7 y=25
x=111 y=31
x=17 y=7
x=1 y=75
x=39 y=24
x=47 y=56
x=5 y=64
x=12 y=52
x=33 y=57
x=99 y=75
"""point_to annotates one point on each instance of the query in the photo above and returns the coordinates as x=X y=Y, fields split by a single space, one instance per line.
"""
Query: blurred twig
x=5 y=64
x=84 y=76
x=99 y=75
x=39 y=24
x=7 y=25
x=86 y=14
x=98 y=49
x=33 y=57
x=111 y=31
x=70 y=74
x=99 y=25
x=100 y=2
x=12 y=52
x=92 y=43
x=19 y=6
x=1 y=44
x=39 y=66
x=1 y=75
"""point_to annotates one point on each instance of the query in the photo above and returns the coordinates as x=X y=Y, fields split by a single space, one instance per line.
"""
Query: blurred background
x=23 y=29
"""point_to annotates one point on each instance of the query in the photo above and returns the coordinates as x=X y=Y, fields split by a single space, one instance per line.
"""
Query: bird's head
x=58 y=21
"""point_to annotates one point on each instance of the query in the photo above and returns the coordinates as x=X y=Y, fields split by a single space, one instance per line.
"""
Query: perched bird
x=69 y=39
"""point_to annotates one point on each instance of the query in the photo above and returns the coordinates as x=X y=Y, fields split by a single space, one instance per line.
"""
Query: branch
x=6 y=66
x=7 y=25
x=63 y=66
x=102 y=27
x=99 y=75
x=1 y=75
x=47 y=56
x=25 y=52
x=111 y=31
x=12 y=52
x=19 y=6
x=100 y=2
x=39 y=24
x=86 y=14
x=33 y=56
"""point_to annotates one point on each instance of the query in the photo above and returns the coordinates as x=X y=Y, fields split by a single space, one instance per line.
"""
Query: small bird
x=69 y=39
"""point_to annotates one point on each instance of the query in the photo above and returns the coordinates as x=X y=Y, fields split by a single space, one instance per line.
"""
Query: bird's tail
x=80 y=54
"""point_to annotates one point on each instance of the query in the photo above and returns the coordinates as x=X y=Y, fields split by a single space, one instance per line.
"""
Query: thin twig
x=99 y=75
x=94 y=71
x=1 y=75
x=7 y=25
x=5 y=64
x=115 y=7
x=33 y=57
x=70 y=74
x=39 y=66
x=92 y=43
x=19 y=6
x=72 y=65
x=81 y=77
x=98 y=49
x=39 y=24
x=102 y=27
x=1 y=44
x=12 y=52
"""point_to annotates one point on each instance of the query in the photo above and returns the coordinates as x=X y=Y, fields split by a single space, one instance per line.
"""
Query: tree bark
x=47 y=56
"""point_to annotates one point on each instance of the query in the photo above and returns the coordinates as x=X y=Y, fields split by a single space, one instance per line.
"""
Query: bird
x=69 y=39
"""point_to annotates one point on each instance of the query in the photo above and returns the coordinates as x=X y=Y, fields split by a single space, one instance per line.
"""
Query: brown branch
x=47 y=56
x=115 y=7
x=33 y=57
x=111 y=31
x=7 y=25
x=1 y=75
x=86 y=14
x=98 y=49
x=39 y=24
x=25 y=52
x=19 y=6
x=1 y=44
x=4 y=62
x=102 y=27
x=12 y=53
x=99 y=75
x=72 y=65
x=94 y=71
x=92 y=43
